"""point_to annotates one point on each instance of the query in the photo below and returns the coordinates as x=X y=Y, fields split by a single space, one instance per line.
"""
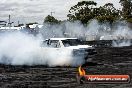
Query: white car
x=73 y=44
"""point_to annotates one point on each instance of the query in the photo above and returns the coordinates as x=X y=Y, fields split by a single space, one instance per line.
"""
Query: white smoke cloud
x=21 y=49
x=24 y=49
x=121 y=43
x=93 y=31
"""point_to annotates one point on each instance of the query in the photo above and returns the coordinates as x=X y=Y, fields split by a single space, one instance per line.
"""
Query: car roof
x=61 y=38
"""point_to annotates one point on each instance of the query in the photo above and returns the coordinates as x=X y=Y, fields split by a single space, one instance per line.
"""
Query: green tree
x=127 y=8
x=108 y=13
x=51 y=20
x=83 y=11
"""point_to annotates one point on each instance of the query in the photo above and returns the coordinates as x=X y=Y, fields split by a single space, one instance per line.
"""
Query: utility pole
x=52 y=13
x=18 y=23
x=10 y=23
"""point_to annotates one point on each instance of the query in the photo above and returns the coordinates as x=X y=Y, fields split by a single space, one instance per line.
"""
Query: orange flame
x=81 y=71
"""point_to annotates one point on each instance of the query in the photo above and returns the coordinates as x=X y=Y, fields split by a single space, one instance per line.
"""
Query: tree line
x=85 y=11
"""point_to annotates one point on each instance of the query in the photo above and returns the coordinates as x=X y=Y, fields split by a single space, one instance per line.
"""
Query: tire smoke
x=24 y=49
x=18 y=48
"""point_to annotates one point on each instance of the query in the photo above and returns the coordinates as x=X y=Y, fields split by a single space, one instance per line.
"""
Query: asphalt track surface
x=108 y=60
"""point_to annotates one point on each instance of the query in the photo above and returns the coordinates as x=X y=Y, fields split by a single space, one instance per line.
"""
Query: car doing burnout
x=74 y=44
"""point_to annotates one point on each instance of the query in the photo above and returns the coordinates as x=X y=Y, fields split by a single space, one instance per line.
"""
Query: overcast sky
x=35 y=10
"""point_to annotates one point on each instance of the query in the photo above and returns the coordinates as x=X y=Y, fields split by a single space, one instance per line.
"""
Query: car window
x=71 y=42
x=54 y=43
